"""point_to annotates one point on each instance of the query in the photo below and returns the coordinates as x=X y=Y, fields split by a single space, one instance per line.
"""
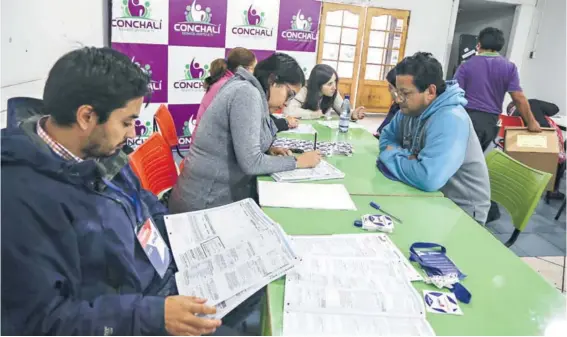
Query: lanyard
x=441 y=267
x=132 y=198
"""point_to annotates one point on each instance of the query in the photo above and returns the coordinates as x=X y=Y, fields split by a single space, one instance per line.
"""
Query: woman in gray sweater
x=235 y=138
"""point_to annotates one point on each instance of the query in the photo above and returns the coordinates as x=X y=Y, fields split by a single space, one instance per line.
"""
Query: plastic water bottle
x=345 y=115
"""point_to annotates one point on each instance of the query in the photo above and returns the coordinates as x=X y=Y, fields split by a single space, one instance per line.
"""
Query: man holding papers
x=432 y=144
x=84 y=247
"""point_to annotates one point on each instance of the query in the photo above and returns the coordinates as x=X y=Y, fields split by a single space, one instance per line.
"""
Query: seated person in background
x=221 y=71
x=431 y=144
x=395 y=107
x=237 y=136
x=72 y=210
x=319 y=96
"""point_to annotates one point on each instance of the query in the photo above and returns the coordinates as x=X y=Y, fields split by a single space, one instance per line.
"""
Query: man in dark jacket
x=72 y=213
x=395 y=107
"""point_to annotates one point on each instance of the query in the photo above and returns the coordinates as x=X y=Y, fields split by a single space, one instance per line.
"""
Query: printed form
x=323 y=171
x=302 y=129
x=226 y=254
x=346 y=293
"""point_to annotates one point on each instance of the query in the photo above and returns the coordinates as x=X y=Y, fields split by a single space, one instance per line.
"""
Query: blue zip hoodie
x=71 y=263
x=449 y=156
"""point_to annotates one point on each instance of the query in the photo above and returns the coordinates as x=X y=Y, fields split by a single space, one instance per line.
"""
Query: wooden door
x=384 y=46
x=339 y=43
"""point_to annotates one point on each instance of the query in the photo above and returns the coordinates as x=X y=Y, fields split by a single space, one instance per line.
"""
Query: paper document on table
x=323 y=171
x=335 y=125
x=301 y=129
x=313 y=324
x=346 y=292
x=374 y=246
x=227 y=252
x=363 y=286
x=302 y=195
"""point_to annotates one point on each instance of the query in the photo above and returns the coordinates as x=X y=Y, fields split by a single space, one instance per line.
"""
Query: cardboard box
x=536 y=150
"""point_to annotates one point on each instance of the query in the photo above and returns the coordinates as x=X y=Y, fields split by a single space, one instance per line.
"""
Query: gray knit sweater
x=230 y=148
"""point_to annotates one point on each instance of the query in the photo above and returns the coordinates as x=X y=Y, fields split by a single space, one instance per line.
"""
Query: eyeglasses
x=290 y=93
x=400 y=96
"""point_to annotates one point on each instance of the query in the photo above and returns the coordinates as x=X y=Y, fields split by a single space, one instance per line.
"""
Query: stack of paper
x=302 y=129
x=323 y=171
x=335 y=125
x=301 y=195
x=351 y=294
x=226 y=254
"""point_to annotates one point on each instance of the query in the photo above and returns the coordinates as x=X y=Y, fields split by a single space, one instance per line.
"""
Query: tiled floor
x=552 y=268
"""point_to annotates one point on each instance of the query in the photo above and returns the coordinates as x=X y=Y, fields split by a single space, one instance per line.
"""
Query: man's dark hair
x=391 y=77
x=279 y=68
x=425 y=69
x=491 y=38
x=101 y=77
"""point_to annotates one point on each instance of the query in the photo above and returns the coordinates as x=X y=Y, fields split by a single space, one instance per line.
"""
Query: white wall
x=430 y=23
x=472 y=22
x=35 y=33
x=544 y=77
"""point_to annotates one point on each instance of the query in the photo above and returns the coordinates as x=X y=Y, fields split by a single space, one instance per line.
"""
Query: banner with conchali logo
x=175 y=42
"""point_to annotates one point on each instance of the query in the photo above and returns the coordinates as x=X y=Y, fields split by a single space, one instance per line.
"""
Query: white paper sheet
x=302 y=195
x=313 y=324
x=340 y=293
x=323 y=171
x=376 y=245
x=228 y=252
x=352 y=286
x=302 y=129
x=335 y=125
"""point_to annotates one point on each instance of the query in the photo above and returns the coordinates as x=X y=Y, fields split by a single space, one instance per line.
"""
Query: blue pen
x=375 y=205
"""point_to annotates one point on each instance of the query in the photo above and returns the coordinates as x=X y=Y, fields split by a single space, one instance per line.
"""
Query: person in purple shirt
x=486 y=78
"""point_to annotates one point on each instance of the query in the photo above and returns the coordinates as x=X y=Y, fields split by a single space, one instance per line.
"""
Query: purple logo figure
x=252 y=18
x=194 y=71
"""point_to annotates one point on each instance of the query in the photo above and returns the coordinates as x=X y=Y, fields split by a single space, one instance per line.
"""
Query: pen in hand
x=315 y=143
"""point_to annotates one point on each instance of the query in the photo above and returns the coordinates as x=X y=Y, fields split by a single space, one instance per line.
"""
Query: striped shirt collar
x=59 y=149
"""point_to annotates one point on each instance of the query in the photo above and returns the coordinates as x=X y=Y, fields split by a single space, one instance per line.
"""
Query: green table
x=508 y=297
x=362 y=177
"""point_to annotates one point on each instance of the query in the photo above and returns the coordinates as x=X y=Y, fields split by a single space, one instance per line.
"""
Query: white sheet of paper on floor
x=304 y=195
x=323 y=171
x=227 y=253
x=368 y=294
x=302 y=129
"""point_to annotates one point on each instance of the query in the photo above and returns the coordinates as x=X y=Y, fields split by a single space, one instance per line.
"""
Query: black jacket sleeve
x=281 y=123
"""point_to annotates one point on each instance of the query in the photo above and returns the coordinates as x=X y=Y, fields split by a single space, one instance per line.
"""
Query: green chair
x=515 y=186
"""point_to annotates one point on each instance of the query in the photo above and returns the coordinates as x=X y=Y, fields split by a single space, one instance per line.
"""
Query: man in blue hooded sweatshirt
x=73 y=210
x=432 y=144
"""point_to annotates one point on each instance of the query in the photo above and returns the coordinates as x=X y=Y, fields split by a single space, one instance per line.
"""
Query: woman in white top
x=319 y=97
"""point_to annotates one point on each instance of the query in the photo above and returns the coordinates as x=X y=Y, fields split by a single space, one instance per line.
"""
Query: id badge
x=154 y=246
